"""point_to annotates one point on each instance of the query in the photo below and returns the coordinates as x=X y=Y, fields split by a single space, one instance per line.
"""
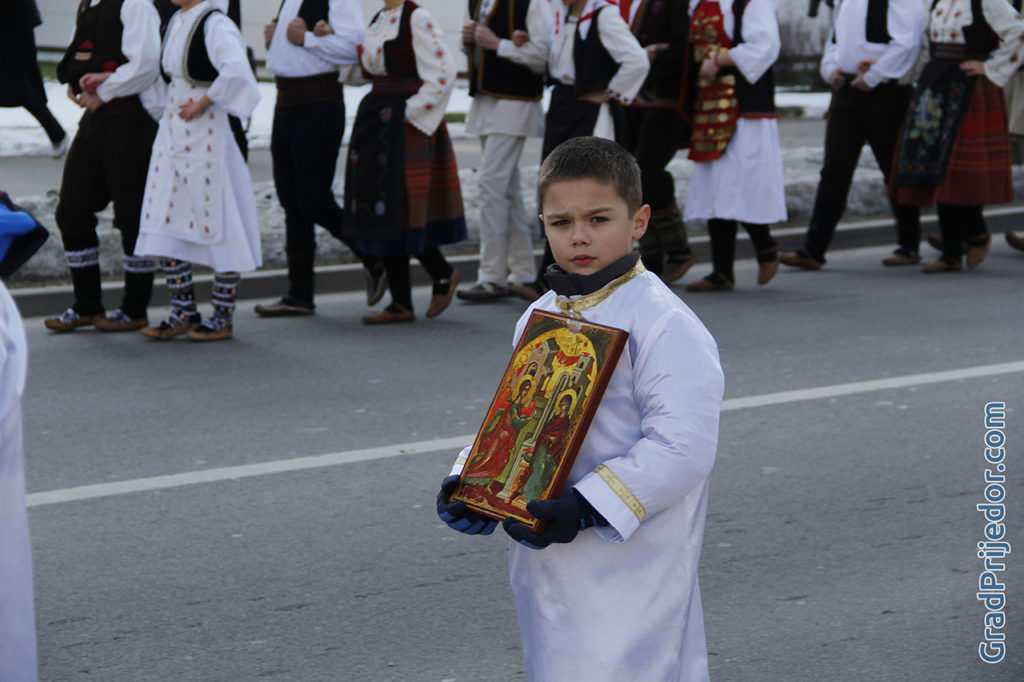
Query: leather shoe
x=1015 y=241
x=482 y=291
x=767 y=265
x=801 y=259
x=713 y=282
x=902 y=257
x=393 y=313
x=444 y=290
x=977 y=249
x=675 y=269
x=118 y=321
x=69 y=321
x=287 y=306
x=524 y=290
x=941 y=266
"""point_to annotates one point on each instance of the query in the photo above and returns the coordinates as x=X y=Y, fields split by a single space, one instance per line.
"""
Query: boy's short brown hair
x=592 y=158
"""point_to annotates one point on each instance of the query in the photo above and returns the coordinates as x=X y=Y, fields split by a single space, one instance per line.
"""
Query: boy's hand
x=457 y=516
x=322 y=28
x=520 y=37
x=469 y=33
x=566 y=517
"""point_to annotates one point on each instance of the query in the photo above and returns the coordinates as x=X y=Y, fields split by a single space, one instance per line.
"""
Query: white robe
x=17 y=621
x=199 y=204
x=745 y=183
x=622 y=602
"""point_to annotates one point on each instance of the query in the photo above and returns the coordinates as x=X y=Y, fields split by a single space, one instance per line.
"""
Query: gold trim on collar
x=620 y=489
x=573 y=307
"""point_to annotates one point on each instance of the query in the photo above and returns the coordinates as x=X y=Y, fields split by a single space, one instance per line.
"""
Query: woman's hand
x=191 y=109
x=973 y=67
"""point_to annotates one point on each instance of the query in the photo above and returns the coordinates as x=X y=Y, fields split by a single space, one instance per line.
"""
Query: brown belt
x=323 y=87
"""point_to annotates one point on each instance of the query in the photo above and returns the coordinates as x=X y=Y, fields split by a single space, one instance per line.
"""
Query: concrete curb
x=270 y=284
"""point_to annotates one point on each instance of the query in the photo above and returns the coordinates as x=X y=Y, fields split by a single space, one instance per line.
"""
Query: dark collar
x=570 y=284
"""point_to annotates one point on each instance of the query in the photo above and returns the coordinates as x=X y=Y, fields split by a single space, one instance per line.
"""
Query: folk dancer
x=506 y=82
x=737 y=177
x=309 y=121
x=112 y=68
x=400 y=148
x=955 y=148
x=199 y=205
x=868 y=62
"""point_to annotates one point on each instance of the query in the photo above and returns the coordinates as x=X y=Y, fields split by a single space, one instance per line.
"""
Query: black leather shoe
x=287 y=306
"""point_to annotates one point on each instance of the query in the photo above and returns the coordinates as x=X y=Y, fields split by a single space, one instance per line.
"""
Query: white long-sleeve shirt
x=948 y=18
x=140 y=43
x=235 y=89
x=849 y=45
x=321 y=54
x=761 y=43
x=434 y=65
x=616 y=38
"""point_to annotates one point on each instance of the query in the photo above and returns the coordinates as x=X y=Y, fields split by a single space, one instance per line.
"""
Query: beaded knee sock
x=183 y=295
x=225 y=288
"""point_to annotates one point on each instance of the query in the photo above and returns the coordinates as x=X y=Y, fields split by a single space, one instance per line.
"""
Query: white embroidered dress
x=622 y=602
x=199 y=205
x=745 y=183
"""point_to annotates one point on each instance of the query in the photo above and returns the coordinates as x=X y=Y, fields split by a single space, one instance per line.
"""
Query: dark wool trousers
x=304 y=145
x=107 y=161
x=856 y=117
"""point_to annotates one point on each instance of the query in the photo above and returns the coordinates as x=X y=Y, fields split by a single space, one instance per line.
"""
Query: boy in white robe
x=621 y=599
x=199 y=205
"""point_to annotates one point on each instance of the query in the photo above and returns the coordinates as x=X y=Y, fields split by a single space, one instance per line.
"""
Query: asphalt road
x=841 y=534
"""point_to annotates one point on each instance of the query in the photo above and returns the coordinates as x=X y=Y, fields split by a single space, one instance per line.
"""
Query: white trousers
x=506 y=241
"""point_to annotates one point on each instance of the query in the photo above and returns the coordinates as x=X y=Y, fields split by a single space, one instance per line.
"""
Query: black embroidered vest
x=96 y=46
x=594 y=66
x=755 y=99
x=497 y=76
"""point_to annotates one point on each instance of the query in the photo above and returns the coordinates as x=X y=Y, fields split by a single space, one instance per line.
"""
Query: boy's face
x=588 y=225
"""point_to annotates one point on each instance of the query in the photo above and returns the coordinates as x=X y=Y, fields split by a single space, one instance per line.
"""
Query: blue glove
x=566 y=517
x=457 y=516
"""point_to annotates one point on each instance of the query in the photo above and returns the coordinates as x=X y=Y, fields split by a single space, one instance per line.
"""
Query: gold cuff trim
x=461 y=461
x=620 y=489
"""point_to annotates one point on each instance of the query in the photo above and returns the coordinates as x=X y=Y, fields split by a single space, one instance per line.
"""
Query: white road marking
x=99 y=490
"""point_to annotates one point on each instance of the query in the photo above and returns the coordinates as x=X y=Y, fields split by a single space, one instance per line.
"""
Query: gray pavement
x=840 y=537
